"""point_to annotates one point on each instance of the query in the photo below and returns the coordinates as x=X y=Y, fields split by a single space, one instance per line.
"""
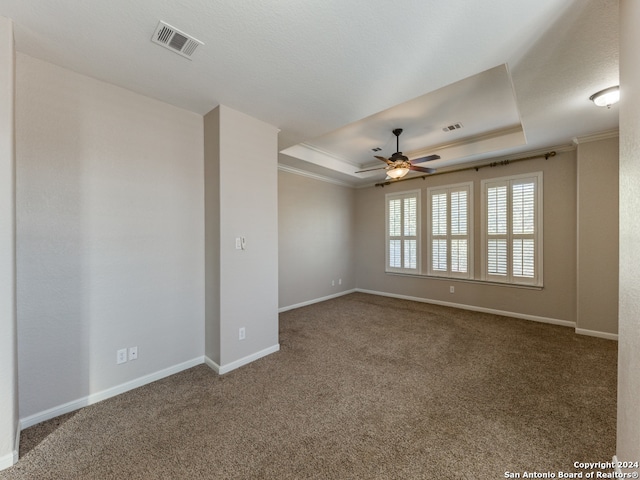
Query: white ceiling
x=483 y=106
x=338 y=75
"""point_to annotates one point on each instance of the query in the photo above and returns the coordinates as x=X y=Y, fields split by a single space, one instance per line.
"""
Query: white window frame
x=448 y=237
x=510 y=236
x=403 y=238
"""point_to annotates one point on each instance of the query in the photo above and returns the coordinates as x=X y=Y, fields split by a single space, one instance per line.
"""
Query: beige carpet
x=364 y=387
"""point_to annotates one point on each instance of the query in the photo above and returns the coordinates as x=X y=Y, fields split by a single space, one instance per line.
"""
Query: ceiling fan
x=398 y=165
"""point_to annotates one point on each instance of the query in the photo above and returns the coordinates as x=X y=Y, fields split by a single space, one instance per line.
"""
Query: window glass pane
x=459 y=213
x=459 y=255
x=439 y=255
x=394 y=218
x=523 y=257
x=439 y=214
x=410 y=216
x=395 y=255
x=497 y=256
x=497 y=210
x=523 y=208
x=410 y=254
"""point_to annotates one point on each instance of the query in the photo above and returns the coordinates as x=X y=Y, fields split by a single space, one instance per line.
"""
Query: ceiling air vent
x=175 y=40
x=450 y=128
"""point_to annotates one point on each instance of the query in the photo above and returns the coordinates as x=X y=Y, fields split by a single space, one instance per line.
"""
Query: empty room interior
x=319 y=239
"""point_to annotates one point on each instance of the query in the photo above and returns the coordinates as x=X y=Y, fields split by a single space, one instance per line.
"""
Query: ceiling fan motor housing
x=398 y=156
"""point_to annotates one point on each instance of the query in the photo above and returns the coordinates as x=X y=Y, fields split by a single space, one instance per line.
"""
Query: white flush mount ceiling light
x=606 y=97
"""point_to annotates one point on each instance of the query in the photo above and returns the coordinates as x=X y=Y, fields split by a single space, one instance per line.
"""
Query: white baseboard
x=316 y=300
x=108 y=393
x=221 y=370
x=595 y=333
x=211 y=364
x=524 y=316
x=16 y=448
x=7 y=460
x=462 y=306
x=11 y=459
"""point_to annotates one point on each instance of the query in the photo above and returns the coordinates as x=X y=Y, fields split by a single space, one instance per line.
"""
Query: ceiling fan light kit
x=398 y=172
x=606 y=97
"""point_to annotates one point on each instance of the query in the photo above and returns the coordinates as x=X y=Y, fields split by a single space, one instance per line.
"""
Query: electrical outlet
x=133 y=353
x=452 y=289
x=121 y=356
x=242 y=333
x=339 y=281
x=333 y=283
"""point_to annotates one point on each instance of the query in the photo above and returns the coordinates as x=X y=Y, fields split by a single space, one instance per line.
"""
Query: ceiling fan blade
x=385 y=160
x=371 y=169
x=422 y=169
x=424 y=159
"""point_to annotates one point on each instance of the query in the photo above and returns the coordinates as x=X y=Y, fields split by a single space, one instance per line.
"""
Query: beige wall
x=8 y=334
x=597 y=249
x=316 y=248
x=212 y=234
x=628 y=435
x=241 y=205
x=555 y=302
x=110 y=236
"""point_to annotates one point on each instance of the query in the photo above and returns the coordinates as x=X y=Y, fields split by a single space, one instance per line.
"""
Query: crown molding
x=596 y=136
x=320 y=151
x=315 y=176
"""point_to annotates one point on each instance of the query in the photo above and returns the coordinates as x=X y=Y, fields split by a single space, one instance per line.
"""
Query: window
x=512 y=229
x=450 y=230
x=403 y=232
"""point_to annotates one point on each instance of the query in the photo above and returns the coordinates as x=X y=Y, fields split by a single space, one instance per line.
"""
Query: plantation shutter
x=523 y=229
x=403 y=229
x=497 y=230
x=513 y=229
x=449 y=230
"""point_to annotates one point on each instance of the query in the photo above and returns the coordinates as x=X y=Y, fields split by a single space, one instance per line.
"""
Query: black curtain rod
x=476 y=168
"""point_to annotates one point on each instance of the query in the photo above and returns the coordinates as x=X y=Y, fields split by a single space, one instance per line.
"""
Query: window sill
x=467 y=280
